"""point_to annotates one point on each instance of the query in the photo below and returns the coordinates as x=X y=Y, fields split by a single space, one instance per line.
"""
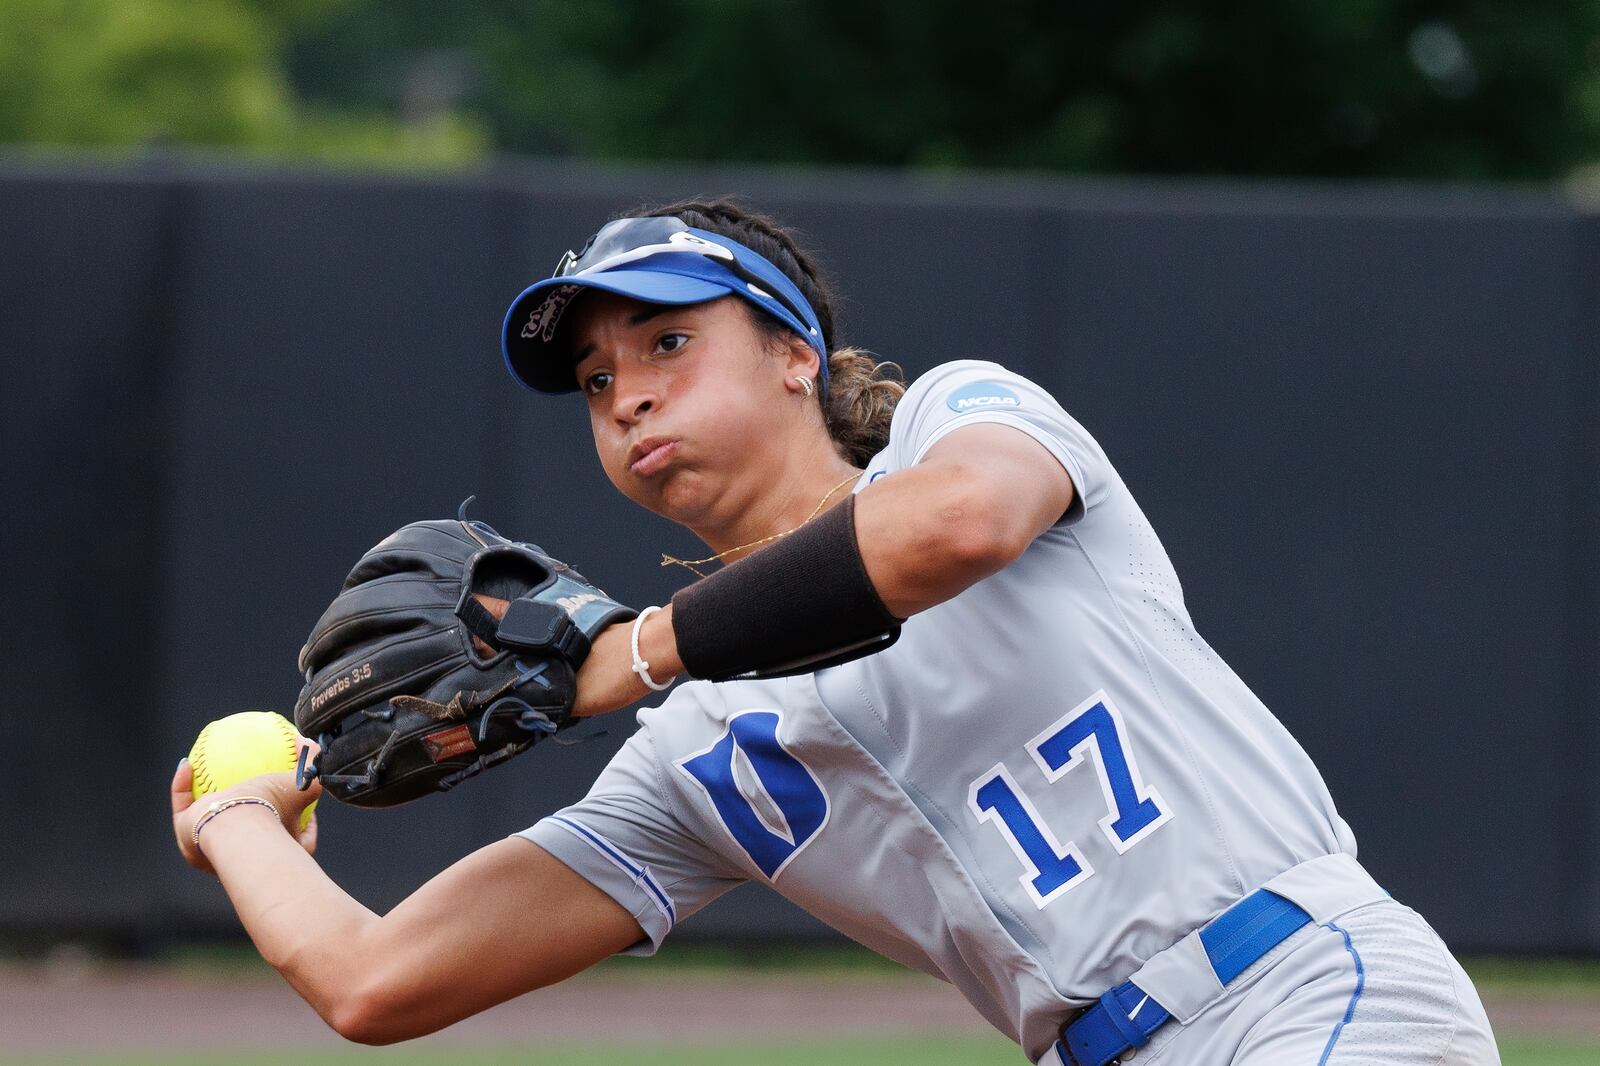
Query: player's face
x=681 y=403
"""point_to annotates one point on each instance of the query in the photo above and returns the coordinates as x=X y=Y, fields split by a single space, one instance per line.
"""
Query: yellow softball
x=241 y=746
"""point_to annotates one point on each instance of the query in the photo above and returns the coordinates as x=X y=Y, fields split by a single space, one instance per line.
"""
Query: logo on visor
x=542 y=323
x=980 y=395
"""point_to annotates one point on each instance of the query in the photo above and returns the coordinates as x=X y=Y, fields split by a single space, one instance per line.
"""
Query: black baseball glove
x=397 y=696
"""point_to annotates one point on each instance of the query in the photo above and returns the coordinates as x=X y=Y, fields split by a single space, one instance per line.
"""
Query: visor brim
x=543 y=361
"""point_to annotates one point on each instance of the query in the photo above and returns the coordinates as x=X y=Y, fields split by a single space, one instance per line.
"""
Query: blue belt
x=1126 y=1016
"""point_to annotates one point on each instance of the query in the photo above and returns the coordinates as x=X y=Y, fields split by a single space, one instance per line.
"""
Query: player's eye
x=596 y=382
x=668 y=343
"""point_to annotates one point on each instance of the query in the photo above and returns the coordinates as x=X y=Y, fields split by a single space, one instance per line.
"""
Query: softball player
x=948 y=698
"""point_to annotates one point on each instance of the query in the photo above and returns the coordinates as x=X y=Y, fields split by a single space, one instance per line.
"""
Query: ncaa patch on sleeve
x=980 y=396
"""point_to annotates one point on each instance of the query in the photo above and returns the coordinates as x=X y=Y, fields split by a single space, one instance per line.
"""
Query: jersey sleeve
x=624 y=839
x=969 y=391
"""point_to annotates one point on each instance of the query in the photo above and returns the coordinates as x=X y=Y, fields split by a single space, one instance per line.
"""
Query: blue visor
x=674 y=265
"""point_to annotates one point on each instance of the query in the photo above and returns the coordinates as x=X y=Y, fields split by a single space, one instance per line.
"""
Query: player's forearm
x=840 y=586
x=607 y=681
x=925 y=538
x=967 y=509
x=308 y=928
x=658 y=646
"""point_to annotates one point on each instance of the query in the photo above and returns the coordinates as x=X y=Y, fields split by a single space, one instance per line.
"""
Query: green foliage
x=1394 y=88
x=111 y=73
x=1365 y=87
x=122 y=73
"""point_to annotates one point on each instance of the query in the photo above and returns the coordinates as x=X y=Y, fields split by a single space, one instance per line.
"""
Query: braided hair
x=862 y=392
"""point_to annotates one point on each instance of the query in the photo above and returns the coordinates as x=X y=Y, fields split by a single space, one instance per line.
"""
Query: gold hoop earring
x=805 y=383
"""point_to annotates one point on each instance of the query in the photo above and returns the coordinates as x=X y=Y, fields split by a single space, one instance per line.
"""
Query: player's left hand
x=278 y=789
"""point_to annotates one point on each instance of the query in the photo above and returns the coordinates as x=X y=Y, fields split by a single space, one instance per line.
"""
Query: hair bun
x=862 y=394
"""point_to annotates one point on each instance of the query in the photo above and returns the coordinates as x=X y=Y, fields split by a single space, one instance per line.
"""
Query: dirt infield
x=103 y=1008
x=92 y=1007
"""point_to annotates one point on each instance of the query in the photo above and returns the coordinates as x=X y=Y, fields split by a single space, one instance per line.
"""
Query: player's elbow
x=352 y=1022
x=976 y=531
x=382 y=1004
x=364 y=1016
x=346 y=979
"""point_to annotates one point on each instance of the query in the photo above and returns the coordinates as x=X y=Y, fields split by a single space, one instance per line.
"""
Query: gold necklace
x=690 y=564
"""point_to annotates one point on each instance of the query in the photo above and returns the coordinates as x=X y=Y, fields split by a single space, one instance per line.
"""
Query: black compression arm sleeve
x=797 y=605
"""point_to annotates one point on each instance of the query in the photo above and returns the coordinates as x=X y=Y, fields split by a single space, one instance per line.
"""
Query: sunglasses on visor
x=628 y=240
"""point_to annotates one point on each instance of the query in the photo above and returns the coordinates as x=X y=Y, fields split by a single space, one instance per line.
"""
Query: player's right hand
x=279 y=789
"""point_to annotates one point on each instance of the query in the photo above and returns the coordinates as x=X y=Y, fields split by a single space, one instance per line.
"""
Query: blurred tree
x=105 y=73
x=1447 y=88
x=1400 y=88
x=204 y=72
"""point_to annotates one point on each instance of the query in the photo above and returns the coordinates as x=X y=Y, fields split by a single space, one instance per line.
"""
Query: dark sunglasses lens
x=624 y=235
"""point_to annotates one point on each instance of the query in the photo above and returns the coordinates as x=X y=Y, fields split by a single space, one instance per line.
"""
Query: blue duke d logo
x=770 y=802
x=980 y=396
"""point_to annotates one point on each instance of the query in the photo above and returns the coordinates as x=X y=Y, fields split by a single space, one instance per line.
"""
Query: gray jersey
x=1048 y=779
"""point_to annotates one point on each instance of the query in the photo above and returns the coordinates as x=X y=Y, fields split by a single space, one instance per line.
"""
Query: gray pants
x=1376 y=985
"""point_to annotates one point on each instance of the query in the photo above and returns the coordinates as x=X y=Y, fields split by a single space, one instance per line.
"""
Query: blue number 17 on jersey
x=1134 y=811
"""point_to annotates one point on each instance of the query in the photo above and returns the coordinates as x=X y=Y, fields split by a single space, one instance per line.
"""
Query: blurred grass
x=1548 y=1053
x=1579 y=977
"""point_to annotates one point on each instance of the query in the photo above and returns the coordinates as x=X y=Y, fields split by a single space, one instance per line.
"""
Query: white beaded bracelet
x=641 y=667
x=222 y=805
